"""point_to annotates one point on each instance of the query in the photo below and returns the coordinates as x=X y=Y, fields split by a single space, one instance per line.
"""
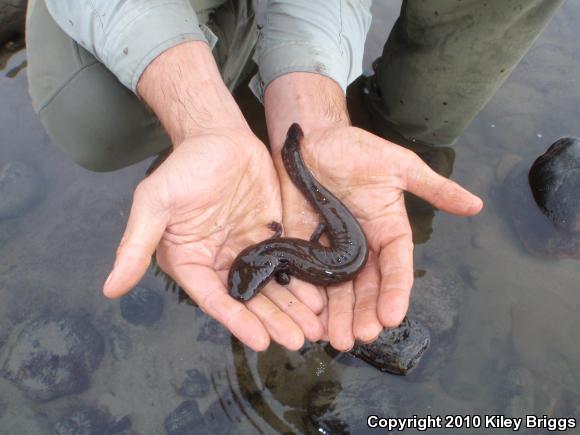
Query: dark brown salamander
x=282 y=257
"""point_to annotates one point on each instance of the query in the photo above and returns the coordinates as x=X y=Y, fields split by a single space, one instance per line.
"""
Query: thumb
x=441 y=192
x=144 y=230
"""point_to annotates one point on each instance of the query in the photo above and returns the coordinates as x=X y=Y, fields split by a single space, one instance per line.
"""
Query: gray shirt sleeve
x=126 y=35
x=323 y=37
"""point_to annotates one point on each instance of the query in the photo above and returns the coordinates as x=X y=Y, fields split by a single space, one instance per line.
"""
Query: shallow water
x=512 y=349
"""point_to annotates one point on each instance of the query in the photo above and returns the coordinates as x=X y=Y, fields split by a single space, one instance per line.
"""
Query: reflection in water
x=307 y=391
x=252 y=393
x=504 y=324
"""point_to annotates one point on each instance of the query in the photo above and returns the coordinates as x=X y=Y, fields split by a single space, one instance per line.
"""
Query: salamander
x=308 y=260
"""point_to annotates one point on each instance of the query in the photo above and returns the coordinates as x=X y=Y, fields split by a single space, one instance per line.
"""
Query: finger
x=296 y=310
x=396 y=265
x=441 y=192
x=340 y=316
x=207 y=289
x=144 y=230
x=308 y=294
x=323 y=317
x=366 y=324
x=280 y=326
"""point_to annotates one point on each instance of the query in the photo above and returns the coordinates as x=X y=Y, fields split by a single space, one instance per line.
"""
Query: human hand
x=213 y=196
x=369 y=175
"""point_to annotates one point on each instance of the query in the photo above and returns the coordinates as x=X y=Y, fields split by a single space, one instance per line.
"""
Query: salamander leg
x=277 y=228
x=282 y=278
x=318 y=232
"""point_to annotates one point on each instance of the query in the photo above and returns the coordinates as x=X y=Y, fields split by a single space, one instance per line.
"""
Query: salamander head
x=249 y=273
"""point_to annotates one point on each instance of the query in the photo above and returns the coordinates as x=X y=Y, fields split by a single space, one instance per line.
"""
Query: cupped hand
x=369 y=175
x=213 y=196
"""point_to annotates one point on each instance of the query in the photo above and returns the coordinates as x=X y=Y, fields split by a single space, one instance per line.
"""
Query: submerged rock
x=83 y=421
x=397 y=350
x=544 y=203
x=194 y=385
x=119 y=342
x=141 y=306
x=555 y=183
x=53 y=356
x=92 y=421
x=20 y=189
x=185 y=420
x=224 y=416
x=213 y=331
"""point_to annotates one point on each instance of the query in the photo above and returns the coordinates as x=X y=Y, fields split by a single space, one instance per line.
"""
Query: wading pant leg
x=97 y=121
x=445 y=59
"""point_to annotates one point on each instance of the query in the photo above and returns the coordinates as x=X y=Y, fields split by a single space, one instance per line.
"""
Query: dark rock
x=194 y=385
x=185 y=420
x=397 y=350
x=141 y=306
x=543 y=203
x=555 y=182
x=20 y=189
x=53 y=356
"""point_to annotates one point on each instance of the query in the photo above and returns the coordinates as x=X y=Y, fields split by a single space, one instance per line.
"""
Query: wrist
x=184 y=88
x=312 y=100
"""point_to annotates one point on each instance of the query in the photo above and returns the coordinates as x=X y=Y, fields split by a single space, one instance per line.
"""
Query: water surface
x=513 y=347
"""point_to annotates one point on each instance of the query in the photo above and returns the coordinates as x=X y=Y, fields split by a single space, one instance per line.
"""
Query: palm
x=219 y=204
x=369 y=175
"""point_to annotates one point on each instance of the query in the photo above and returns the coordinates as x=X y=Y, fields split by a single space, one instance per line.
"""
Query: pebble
x=195 y=385
x=141 y=306
x=185 y=420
